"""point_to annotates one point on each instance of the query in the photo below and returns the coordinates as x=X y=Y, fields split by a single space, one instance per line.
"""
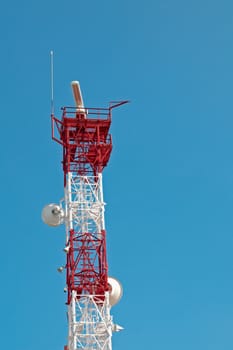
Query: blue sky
x=169 y=183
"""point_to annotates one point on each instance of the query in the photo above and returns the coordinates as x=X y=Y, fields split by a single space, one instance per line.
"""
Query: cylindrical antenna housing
x=77 y=94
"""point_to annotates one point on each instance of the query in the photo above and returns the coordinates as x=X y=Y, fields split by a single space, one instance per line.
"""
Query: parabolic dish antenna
x=52 y=214
x=115 y=291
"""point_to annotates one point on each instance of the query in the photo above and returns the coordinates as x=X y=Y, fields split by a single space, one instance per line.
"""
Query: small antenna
x=51 y=78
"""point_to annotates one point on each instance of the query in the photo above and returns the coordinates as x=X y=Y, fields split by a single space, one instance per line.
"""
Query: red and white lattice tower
x=87 y=145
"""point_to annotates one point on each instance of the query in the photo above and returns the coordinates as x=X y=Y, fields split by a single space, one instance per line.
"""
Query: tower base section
x=90 y=323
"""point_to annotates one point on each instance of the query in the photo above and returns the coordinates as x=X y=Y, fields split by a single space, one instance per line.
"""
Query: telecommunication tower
x=87 y=145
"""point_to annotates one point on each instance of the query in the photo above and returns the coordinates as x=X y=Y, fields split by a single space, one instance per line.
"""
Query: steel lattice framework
x=87 y=144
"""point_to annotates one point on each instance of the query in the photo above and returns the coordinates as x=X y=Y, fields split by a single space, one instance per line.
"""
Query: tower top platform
x=84 y=135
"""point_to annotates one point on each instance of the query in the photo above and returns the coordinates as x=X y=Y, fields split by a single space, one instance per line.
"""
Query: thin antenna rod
x=51 y=77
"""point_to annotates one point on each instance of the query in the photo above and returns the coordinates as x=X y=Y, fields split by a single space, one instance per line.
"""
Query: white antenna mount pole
x=52 y=82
